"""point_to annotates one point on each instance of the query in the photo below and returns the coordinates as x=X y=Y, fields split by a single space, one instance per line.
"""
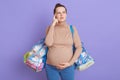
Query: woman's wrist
x=53 y=23
x=71 y=63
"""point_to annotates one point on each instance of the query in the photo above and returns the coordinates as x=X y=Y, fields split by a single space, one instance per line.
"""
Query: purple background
x=23 y=23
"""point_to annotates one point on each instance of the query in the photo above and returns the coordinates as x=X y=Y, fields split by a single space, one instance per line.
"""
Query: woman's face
x=60 y=14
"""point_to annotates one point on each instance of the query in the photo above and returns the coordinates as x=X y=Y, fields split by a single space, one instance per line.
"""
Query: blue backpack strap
x=71 y=29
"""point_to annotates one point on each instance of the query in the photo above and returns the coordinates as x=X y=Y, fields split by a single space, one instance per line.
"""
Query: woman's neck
x=61 y=24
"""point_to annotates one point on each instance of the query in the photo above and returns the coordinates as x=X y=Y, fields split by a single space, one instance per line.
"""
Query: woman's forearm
x=76 y=55
x=49 y=36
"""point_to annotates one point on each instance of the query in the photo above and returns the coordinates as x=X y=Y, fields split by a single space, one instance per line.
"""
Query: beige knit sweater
x=59 y=41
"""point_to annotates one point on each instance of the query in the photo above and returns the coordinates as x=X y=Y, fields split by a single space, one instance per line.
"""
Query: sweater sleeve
x=49 y=36
x=78 y=46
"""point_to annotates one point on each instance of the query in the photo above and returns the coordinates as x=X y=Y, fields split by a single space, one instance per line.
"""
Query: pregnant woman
x=60 y=56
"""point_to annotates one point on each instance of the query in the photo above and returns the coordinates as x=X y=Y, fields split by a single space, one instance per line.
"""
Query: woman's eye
x=61 y=12
x=58 y=13
x=64 y=11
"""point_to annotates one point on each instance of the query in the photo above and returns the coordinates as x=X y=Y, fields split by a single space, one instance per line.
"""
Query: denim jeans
x=55 y=74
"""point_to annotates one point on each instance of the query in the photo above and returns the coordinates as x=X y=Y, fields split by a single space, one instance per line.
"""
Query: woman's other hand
x=63 y=65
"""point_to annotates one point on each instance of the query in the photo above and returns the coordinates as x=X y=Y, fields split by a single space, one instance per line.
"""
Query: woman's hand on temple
x=55 y=21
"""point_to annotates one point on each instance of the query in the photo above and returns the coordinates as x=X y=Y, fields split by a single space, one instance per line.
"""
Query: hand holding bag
x=85 y=60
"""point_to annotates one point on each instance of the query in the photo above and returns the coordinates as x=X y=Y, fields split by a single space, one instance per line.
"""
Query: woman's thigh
x=68 y=73
x=52 y=72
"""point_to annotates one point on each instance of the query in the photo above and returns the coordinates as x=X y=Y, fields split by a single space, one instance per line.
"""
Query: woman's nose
x=61 y=14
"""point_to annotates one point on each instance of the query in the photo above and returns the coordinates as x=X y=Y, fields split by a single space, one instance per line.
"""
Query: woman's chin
x=61 y=21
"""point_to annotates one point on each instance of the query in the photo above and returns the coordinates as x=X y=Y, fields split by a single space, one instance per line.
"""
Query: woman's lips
x=61 y=17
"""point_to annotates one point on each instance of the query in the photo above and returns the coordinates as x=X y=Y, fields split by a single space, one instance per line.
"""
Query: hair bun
x=59 y=5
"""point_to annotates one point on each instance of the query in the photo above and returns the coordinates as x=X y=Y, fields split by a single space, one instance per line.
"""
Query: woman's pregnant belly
x=57 y=55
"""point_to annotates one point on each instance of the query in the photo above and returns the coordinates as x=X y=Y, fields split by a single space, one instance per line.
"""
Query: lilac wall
x=23 y=23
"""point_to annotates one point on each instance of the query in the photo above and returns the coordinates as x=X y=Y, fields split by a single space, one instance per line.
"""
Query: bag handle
x=71 y=29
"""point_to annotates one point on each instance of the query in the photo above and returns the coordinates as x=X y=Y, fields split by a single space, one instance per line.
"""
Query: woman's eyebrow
x=64 y=11
x=61 y=11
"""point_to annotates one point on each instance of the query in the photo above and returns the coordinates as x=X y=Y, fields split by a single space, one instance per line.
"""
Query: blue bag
x=85 y=60
x=36 y=57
